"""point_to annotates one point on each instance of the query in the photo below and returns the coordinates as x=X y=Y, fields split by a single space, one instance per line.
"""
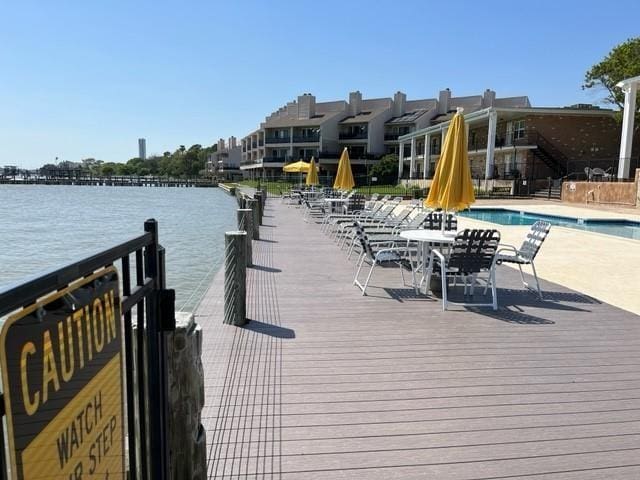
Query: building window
x=518 y=129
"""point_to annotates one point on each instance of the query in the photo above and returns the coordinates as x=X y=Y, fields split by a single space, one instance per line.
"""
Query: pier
x=110 y=181
x=324 y=383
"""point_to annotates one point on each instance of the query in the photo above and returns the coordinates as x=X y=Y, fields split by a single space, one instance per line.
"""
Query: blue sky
x=87 y=79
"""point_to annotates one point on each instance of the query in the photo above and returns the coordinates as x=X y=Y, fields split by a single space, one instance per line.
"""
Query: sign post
x=62 y=372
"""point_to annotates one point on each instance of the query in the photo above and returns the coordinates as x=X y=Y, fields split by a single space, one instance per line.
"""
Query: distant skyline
x=87 y=79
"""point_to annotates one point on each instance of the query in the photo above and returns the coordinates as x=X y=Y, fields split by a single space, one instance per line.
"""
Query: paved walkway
x=324 y=383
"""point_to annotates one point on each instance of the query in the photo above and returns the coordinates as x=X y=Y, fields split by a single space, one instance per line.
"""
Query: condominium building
x=369 y=128
x=224 y=163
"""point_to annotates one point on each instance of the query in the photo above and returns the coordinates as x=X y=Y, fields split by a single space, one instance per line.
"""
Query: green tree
x=622 y=62
x=386 y=170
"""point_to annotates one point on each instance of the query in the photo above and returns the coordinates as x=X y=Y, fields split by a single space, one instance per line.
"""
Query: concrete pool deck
x=602 y=266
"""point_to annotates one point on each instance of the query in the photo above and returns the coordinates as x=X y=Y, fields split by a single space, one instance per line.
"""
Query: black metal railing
x=144 y=295
x=306 y=138
x=391 y=136
x=353 y=135
x=276 y=159
x=277 y=140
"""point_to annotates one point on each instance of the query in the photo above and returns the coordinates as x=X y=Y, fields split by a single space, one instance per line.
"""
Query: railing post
x=156 y=382
x=253 y=205
x=245 y=222
x=235 y=277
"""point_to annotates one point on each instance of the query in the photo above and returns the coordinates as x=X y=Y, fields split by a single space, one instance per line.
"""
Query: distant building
x=224 y=163
x=142 y=148
x=368 y=128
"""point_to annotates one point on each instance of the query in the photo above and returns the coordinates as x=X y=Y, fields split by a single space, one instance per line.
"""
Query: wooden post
x=253 y=205
x=245 y=222
x=258 y=197
x=235 y=278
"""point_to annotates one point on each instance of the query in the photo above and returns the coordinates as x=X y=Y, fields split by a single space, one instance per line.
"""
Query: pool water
x=501 y=216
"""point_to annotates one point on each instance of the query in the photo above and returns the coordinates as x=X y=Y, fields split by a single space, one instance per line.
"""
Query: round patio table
x=426 y=238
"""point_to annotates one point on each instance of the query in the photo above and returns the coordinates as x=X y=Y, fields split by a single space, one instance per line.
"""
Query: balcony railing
x=277 y=140
x=306 y=138
x=353 y=135
x=355 y=156
x=391 y=136
x=275 y=159
x=254 y=144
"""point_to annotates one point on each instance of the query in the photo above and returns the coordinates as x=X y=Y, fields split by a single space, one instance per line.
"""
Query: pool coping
x=553 y=215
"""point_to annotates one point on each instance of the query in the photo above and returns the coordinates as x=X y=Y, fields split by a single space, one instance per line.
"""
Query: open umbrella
x=344 y=176
x=312 y=176
x=452 y=188
x=297 y=167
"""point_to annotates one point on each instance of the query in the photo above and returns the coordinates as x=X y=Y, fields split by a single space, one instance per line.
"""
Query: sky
x=82 y=79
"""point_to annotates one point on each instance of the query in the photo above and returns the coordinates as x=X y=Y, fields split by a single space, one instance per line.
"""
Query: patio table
x=426 y=238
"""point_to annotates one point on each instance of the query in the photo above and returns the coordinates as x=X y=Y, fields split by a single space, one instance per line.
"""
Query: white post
x=626 y=140
x=491 y=145
x=412 y=162
x=401 y=161
x=425 y=160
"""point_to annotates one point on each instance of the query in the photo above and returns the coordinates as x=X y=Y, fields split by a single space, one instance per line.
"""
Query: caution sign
x=62 y=373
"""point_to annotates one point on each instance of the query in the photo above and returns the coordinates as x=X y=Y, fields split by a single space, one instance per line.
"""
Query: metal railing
x=141 y=260
x=353 y=135
x=306 y=138
x=277 y=140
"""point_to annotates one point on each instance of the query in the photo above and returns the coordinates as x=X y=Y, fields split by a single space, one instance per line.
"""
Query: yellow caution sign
x=62 y=376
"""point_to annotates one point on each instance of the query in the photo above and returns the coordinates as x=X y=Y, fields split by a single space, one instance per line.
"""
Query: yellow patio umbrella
x=344 y=177
x=452 y=188
x=297 y=167
x=312 y=176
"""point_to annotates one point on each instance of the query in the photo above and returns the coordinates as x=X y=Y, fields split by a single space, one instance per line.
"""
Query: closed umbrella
x=344 y=176
x=452 y=187
x=312 y=176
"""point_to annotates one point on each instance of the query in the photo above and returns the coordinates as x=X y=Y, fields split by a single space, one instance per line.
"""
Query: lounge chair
x=380 y=255
x=472 y=254
x=527 y=252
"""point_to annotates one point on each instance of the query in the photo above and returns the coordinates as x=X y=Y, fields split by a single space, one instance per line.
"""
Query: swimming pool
x=503 y=216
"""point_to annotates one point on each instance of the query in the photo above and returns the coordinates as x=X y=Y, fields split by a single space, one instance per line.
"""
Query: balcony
x=353 y=135
x=306 y=138
x=275 y=159
x=389 y=137
x=261 y=143
x=254 y=144
x=277 y=140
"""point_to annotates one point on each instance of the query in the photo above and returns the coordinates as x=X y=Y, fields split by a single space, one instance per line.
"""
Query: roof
x=409 y=117
x=293 y=120
x=362 y=117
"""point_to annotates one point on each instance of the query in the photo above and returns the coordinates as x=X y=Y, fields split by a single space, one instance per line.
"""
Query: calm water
x=618 y=228
x=44 y=226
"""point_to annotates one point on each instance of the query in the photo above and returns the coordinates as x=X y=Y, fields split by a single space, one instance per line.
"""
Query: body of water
x=44 y=227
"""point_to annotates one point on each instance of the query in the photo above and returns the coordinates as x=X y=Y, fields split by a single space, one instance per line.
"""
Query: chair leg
x=535 y=275
x=443 y=276
x=366 y=283
x=524 y=282
x=401 y=273
x=358 y=268
x=494 y=292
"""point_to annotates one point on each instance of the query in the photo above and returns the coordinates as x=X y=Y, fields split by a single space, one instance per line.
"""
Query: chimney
x=220 y=145
x=443 y=101
x=488 y=98
x=355 y=102
x=292 y=108
x=306 y=106
x=232 y=142
x=399 y=103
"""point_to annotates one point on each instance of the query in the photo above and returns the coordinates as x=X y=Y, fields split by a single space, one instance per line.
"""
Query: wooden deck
x=324 y=383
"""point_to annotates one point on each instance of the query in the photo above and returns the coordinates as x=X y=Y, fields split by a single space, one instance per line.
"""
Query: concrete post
x=235 y=278
x=412 y=160
x=253 y=205
x=626 y=139
x=426 y=161
x=264 y=197
x=401 y=161
x=491 y=145
x=245 y=222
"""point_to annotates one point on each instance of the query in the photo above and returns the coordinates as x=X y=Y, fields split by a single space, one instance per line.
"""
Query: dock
x=324 y=383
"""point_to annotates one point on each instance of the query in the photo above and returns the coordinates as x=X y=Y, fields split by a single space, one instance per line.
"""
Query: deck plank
x=325 y=383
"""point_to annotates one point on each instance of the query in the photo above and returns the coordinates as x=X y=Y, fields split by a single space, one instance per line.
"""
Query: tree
x=386 y=170
x=622 y=62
